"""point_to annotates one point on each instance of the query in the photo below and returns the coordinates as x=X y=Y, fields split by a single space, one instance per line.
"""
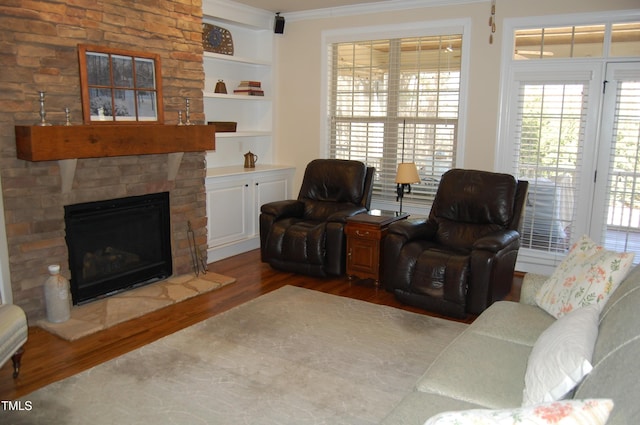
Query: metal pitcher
x=250 y=160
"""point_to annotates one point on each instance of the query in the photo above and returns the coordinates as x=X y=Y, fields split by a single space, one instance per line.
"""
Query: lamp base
x=401 y=189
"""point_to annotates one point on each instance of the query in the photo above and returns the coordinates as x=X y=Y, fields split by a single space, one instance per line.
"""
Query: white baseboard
x=235 y=248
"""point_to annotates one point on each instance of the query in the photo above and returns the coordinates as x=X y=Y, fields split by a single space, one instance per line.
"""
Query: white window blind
x=622 y=229
x=396 y=100
x=549 y=141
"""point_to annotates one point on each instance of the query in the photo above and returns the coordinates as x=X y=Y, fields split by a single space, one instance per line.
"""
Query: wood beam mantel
x=67 y=144
x=49 y=143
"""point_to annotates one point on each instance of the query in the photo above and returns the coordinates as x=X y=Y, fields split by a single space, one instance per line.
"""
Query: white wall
x=298 y=109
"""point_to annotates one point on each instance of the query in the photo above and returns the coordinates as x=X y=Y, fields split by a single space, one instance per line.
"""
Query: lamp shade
x=407 y=173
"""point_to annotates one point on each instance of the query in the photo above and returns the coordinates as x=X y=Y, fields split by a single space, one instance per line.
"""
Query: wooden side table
x=365 y=237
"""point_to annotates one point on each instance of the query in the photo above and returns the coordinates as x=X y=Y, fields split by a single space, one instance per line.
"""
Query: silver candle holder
x=43 y=113
x=187 y=113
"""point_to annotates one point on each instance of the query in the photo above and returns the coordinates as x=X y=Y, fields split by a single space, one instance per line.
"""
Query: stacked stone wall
x=38 y=52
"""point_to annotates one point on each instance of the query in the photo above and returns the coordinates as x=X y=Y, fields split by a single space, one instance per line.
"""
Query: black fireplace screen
x=117 y=244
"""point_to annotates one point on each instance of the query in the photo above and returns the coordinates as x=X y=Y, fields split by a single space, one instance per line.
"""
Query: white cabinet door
x=228 y=210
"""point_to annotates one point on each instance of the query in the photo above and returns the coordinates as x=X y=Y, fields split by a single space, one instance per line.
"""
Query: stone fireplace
x=39 y=53
x=35 y=216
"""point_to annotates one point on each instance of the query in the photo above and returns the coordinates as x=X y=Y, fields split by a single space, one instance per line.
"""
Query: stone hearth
x=104 y=313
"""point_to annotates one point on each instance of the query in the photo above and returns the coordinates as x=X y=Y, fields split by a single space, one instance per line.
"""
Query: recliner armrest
x=341 y=216
x=282 y=209
x=495 y=242
x=411 y=229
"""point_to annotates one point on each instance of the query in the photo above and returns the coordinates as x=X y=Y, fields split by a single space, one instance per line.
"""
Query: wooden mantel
x=68 y=143
x=48 y=143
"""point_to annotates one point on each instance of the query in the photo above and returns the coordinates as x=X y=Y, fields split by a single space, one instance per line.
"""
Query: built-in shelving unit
x=252 y=60
x=234 y=193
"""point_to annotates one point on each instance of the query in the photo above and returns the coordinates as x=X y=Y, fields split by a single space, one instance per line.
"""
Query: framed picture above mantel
x=120 y=86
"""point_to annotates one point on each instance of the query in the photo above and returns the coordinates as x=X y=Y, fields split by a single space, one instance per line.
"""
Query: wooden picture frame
x=120 y=86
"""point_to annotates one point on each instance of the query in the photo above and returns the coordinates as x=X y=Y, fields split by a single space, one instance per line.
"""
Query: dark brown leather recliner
x=461 y=258
x=307 y=235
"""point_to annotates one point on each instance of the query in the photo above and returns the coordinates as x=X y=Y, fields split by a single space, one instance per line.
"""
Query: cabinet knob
x=359 y=233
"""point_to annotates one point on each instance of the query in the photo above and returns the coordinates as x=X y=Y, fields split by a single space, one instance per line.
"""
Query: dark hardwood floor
x=48 y=358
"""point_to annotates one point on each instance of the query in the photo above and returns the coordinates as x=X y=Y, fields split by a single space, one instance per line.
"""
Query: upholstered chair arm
x=493 y=259
x=412 y=229
x=272 y=212
x=341 y=216
x=13 y=334
x=399 y=234
x=283 y=209
x=336 y=240
x=497 y=241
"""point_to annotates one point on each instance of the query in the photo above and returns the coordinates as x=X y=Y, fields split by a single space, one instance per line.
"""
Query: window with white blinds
x=396 y=100
x=549 y=140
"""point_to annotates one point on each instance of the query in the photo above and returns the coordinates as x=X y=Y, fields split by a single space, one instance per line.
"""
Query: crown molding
x=379 y=7
x=238 y=13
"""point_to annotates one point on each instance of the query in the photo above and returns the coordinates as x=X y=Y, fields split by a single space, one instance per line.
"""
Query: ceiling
x=287 y=6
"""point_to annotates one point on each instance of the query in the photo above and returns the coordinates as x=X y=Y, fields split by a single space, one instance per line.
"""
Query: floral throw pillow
x=566 y=412
x=588 y=275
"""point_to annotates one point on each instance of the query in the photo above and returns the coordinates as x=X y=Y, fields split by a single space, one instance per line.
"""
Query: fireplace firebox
x=117 y=244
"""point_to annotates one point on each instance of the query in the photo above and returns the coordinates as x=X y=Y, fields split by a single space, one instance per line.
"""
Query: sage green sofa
x=484 y=368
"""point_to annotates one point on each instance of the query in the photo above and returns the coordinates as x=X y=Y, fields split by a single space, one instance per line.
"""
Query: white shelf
x=228 y=96
x=233 y=170
x=237 y=59
x=236 y=134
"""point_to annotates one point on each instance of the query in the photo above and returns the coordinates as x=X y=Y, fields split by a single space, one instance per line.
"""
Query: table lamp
x=406 y=175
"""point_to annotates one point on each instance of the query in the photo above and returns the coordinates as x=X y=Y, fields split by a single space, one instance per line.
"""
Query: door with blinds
x=577 y=141
x=553 y=131
x=616 y=217
x=570 y=124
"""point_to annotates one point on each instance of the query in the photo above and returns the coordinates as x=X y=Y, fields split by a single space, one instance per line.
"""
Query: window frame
x=414 y=29
x=135 y=117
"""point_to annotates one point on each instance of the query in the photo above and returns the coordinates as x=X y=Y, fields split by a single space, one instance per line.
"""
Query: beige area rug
x=106 y=312
x=293 y=356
